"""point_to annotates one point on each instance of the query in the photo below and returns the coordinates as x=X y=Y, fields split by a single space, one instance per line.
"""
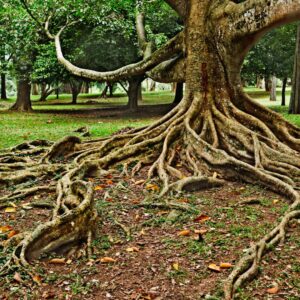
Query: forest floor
x=170 y=253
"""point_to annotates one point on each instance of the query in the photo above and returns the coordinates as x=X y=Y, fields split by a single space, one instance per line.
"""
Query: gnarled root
x=196 y=145
x=64 y=230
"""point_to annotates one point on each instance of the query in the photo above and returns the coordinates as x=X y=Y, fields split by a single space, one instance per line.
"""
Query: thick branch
x=173 y=47
x=180 y=6
x=255 y=17
x=172 y=70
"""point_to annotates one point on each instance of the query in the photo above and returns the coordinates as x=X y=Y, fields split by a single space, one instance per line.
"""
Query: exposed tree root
x=185 y=149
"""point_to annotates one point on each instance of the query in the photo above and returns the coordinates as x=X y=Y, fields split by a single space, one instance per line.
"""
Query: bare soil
x=165 y=257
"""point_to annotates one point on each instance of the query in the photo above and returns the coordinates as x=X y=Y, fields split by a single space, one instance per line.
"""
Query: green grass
x=19 y=127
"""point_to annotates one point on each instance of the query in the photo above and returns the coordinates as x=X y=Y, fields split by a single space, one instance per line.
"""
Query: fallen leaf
x=275 y=201
x=49 y=122
x=214 y=268
x=59 y=261
x=200 y=231
x=139 y=182
x=11 y=234
x=98 y=188
x=109 y=182
x=107 y=260
x=184 y=232
x=6 y=228
x=176 y=266
x=17 y=277
x=162 y=212
x=202 y=219
x=152 y=187
x=10 y=210
x=226 y=265
x=215 y=175
x=274 y=289
x=69 y=261
x=37 y=279
x=133 y=249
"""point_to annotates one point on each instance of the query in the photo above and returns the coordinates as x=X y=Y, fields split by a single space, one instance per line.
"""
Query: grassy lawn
x=17 y=128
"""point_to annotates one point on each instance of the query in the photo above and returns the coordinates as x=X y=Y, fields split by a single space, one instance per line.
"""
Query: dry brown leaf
x=275 y=201
x=184 y=232
x=98 y=188
x=214 y=268
x=107 y=260
x=152 y=187
x=200 y=231
x=176 y=266
x=59 y=261
x=202 y=219
x=226 y=265
x=274 y=289
x=11 y=234
x=37 y=279
x=10 y=210
x=6 y=228
x=109 y=182
x=139 y=182
x=133 y=249
x=17 y=277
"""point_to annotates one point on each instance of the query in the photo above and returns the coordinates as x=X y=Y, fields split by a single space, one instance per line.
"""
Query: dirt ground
x=168 y=252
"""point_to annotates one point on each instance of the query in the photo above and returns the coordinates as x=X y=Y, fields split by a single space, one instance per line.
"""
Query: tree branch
x=256 y=17
x=173 y=47
x=180 y=6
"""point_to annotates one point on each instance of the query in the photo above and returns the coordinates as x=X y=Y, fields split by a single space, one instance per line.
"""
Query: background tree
x=294 y=107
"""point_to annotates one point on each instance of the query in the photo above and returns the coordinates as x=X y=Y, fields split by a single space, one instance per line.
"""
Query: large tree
x=216 y=132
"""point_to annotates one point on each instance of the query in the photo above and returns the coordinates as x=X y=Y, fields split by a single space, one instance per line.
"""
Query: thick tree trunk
x=178 y=93
x=294 y=107
x=23 y=103
x=3 y=86
x=134 y=90
x=284 y=83
x=273 y=96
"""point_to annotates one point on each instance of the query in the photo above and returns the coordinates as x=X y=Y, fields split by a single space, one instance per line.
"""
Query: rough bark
x=23 y=102
x=3 y=86
x=294 y=107
x=134 y=92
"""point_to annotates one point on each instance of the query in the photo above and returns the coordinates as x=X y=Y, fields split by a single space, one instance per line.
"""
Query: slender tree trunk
x=178 y=93
x=284 y=83
x=43 y=92
x=273 y=95
x=35 y=89
x=267 y=84
x=104 y=92
x=140 y=93
x=294 y=107
x=111 y=89
x=152 y=86
x=3 y=86
x=23 y=103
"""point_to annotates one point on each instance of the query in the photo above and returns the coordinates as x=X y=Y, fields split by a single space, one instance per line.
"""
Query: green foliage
x=273 y=55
